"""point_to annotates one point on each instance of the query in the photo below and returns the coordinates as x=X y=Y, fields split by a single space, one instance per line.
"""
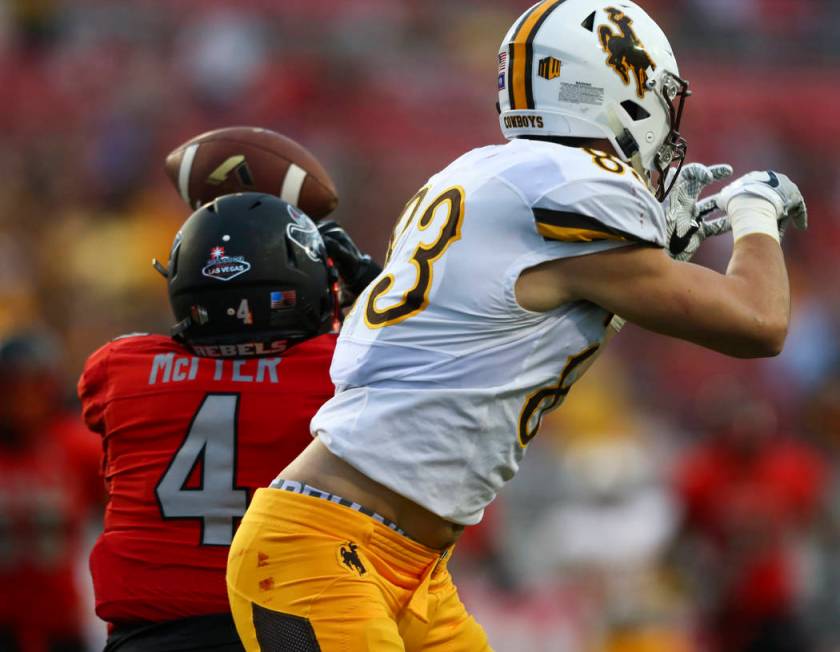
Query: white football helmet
x=595 y=69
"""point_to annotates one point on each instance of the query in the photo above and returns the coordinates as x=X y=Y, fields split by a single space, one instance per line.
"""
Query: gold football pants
x=305 y=574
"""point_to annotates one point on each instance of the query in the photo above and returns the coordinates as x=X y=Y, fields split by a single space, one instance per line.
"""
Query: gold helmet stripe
x=521 y=54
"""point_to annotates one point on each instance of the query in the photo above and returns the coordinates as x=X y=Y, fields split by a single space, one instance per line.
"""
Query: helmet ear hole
x=635 y=111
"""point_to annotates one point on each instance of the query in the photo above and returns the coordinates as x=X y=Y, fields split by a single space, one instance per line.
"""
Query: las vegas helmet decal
x=222 y=267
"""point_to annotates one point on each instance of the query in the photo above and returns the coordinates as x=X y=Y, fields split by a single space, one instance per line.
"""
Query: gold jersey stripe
x=572 y=234
x=520 y=55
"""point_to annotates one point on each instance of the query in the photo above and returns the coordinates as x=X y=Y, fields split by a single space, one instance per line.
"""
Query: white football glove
x=684 y=222
x=776 y=188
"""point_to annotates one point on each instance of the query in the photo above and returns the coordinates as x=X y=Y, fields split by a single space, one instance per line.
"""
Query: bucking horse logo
x=627 y=54
x=350 y=558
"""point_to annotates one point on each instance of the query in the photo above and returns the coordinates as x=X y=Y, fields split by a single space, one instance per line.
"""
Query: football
x=250 y=159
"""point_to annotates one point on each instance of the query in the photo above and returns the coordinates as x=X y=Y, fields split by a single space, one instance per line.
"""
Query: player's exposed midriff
x=318 y=467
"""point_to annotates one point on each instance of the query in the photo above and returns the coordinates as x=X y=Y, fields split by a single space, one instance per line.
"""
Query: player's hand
x=355 y=268
x=684 y=216
x=776 y=188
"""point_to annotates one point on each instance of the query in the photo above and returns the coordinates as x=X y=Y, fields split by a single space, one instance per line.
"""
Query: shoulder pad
x=127 y=335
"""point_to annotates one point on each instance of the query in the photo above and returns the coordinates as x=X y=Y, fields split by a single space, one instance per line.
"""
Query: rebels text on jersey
x=187 y=440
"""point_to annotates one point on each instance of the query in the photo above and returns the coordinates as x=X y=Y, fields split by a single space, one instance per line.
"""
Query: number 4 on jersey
x=210 y=442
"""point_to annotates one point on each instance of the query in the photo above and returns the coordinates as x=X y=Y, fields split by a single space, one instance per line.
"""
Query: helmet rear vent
x=635 y=111
x=256 y=204
x=589 y=23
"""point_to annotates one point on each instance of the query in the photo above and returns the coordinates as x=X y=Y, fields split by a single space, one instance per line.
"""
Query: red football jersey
x=48 y=492
x=187 y=441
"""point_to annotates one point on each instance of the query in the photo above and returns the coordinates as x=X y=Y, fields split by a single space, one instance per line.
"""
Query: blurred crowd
x=680 y=500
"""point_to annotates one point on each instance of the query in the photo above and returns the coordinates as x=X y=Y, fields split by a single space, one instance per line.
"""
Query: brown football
x=250 y=159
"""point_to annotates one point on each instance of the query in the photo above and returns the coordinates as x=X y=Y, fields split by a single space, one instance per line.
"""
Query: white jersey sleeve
x=593 y=210
x=442 y=377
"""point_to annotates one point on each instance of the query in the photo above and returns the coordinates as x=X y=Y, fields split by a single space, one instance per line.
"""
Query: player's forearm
x=739 y=314
x=758 y=275
x=745 y=313
x=752 y=304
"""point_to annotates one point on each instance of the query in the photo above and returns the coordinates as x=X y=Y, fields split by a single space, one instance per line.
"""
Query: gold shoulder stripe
x=568 y=226
x=569 y=234
x=521 y=54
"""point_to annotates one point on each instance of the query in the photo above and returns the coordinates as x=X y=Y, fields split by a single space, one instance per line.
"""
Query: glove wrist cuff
x=750 y=214
x=758 y=191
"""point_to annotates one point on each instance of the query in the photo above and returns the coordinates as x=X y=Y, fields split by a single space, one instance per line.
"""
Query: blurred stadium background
x=679 y=501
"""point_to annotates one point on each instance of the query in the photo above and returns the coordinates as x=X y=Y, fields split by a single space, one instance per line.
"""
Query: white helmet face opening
x=594 y=69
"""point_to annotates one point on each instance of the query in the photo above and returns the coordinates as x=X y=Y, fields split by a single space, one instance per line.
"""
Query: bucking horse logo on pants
x=350 y=558
x=627 y=54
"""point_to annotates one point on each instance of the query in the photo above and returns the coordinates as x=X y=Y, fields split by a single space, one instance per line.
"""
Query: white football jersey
x=441 y=376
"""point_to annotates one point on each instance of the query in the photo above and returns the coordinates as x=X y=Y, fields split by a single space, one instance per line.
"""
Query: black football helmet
x=248 y=275
x=30 y=385
x=33 y=350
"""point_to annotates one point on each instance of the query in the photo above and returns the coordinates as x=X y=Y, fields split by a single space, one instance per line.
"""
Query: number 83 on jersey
x=427 y=240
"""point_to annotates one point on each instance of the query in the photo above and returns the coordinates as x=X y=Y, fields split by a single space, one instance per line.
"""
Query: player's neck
x=601 y=144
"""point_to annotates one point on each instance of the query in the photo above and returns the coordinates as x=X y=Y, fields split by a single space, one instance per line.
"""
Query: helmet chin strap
x=636 y=164
x=629 y=147
x=177 y=330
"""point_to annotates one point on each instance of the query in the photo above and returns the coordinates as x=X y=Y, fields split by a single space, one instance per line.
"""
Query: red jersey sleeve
x=84 y=452
x=91 y=389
